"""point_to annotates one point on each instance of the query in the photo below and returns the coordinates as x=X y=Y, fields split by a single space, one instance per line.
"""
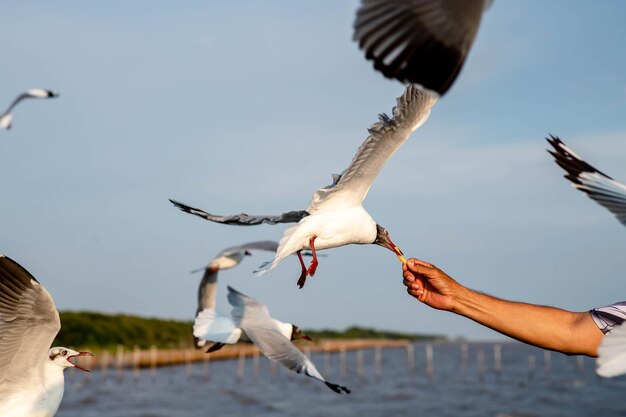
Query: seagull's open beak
x=307 y=337
x=79 y=354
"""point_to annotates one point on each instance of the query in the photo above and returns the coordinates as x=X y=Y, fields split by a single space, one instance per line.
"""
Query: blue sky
x=250 y=106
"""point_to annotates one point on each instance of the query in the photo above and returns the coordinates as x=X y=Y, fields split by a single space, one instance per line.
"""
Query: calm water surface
x=568 y=387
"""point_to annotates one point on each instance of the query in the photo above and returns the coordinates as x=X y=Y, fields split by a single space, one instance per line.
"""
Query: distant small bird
x=251 y=321
x=335 y=216
x=31 y=373
x=6 y=118
x=598 y=186
x=611 y=360
x=419 y=41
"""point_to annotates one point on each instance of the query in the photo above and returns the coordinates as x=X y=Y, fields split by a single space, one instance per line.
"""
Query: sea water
x=465 y=381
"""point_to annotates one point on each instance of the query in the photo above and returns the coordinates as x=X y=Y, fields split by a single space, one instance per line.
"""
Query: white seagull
x=598 y=186
x=226 y=259
x=251 y=321
x=6 y=118
x=335 y=216
x=31 y=373
x=611 y=360
x=419 y=41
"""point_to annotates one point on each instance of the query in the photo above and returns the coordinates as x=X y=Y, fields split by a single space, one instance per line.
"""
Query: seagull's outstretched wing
x=207 y=290
x=243 y=219
x=598 y=186
x=6 y=118
x=386 y=136
x=612 y=353
x=418 y=41
x=212 y=326
x=266 y=245
x=255 y=320
x=29 y=323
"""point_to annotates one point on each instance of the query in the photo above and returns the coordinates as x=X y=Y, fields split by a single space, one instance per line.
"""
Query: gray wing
x=598 y=186
x=266 y=245
x=243 y=219
x=29 y=323
x=254 y=319
x=16 y=101
x=418 y=41
x=386 y=136
x=207 y=290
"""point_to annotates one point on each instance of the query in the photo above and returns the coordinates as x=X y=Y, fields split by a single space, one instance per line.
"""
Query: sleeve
x=609 y=316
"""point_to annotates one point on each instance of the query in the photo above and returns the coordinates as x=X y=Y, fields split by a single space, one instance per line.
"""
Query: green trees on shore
x=106 y=331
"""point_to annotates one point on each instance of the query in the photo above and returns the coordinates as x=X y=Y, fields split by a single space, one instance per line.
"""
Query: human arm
x=542 y=326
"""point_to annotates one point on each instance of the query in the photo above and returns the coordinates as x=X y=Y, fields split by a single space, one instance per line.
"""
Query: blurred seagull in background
x=6 y=118
x=335 y=216
x=226 y=259
x=31 y=373
x=251 y=321
x=423 y=42
x=598 y=186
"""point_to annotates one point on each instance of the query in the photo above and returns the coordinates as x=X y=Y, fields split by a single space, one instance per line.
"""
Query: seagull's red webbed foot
x=314 y=263
x=303 y=274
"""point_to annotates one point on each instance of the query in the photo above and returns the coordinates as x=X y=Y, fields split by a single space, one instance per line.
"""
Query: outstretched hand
x=429 y=284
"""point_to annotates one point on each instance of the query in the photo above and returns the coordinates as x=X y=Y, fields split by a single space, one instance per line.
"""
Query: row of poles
x=135 y=359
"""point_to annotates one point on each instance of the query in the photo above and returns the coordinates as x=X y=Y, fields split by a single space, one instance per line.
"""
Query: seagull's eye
x=63 y=352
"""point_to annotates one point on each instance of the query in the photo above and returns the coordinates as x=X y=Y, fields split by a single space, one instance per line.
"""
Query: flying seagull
x=226 y=259
x=335 y=216
x=6 y=118
x=611 y=360
x=419 y=41
x=251 y=321
x=31 y=373
x=598 y=186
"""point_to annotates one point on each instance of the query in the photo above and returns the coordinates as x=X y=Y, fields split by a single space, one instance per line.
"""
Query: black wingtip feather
x=337 y=388
x=572 y=164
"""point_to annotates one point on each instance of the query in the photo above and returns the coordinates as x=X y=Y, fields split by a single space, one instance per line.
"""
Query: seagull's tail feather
x=337 y=388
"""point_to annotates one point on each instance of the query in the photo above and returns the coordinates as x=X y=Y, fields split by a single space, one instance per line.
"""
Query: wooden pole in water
x=136 y=354
x=497 y=359
x=580 y=365
x=464 y=360
x=359 y=363
x=242 y=366
x=410 y=360
x=256 y=365
x=531 y=366
x=273 y=369
x=120 y=362
x=104 y=365
x=342 y=363
x=153 y=362
x=326 y=361
x=480 y=364
x=429 y=361
x=378 y=362
x=547 y=363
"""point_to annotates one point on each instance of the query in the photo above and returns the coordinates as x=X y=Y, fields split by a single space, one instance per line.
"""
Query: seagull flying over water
x=251 y=321
x=6 y=119
x=419 y=41
x=598 y=186
x=335 y=216
x=226 y=259
x=31 y=373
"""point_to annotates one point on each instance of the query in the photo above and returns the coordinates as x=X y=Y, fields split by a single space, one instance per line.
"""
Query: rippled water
x=569 y=388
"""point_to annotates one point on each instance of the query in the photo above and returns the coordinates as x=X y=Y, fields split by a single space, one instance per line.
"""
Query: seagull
x=598 y=186
x=419 y=41
x=6 y=118
x=251 y=321
x=31 y=373
x=226 y=259
x=611 y=360
x=335 y=216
